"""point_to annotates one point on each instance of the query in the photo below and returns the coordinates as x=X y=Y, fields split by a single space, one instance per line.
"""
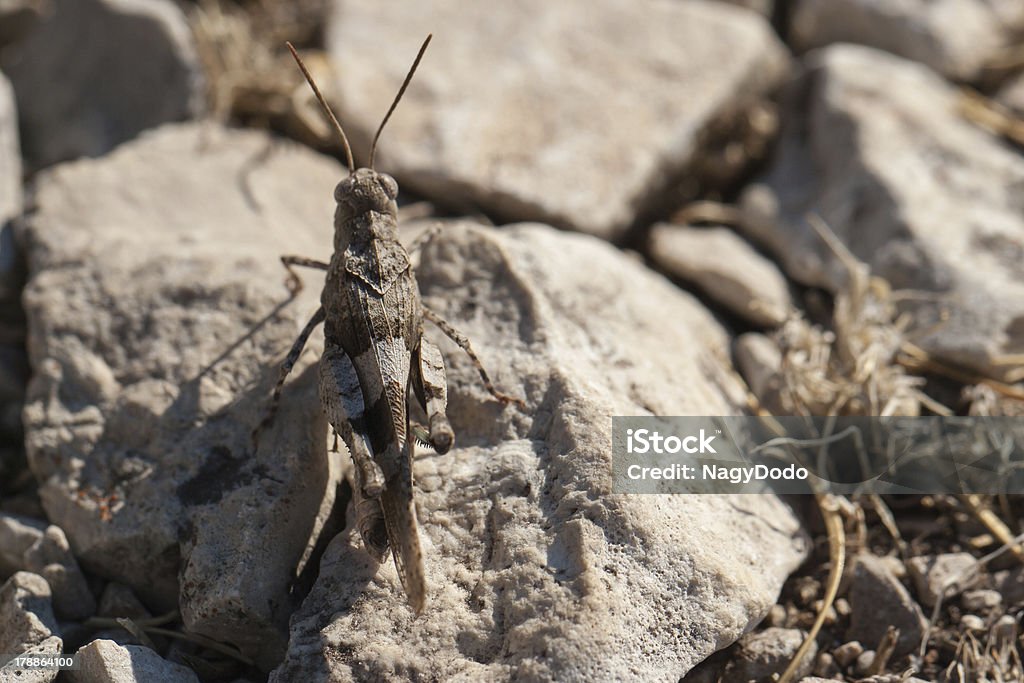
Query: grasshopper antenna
x=401 y=91
x=327 y=109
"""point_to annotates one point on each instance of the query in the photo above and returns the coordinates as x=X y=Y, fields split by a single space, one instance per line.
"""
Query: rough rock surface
x=50 y=557
x=766 y=653
x=953 y=37
x=94 y=73
x=943 y=575
x=13 y=365
x=27 y=625
x=157 y=320
x=17 y=534
x=879 y=600
x=104 y=661
x=929 y=201
x=17 y=17
x=726 y=268
x=579 y=114
x=537 y=571
x=1012 y=95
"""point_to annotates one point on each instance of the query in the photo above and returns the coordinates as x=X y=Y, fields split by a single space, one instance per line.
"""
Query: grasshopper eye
x=342 y=190
x=389 y=185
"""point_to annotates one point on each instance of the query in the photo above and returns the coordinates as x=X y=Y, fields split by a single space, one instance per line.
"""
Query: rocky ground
x=669 y=207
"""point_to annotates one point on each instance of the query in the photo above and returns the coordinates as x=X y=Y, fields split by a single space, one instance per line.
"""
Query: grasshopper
x=374 y=352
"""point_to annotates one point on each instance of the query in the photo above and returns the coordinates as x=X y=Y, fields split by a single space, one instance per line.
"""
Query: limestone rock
x=929 y=201
x=726 y=268
x=158 y=321
x=26 y=621
x=17 y=534
x=17 y=18
x=50 y=557
x=104 y=661
x=95 y=73
x=943 y=575
x=766 y=653
x=536 y=569
x=1011 y=95
x=583 y=114
x=953 y=37
x=879 y=600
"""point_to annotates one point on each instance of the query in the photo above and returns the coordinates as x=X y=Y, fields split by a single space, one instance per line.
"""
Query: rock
x=118 y=600
x=12 y=361
x=157 y=313
x=847 y=653
x=1011 y=95
x=943 y=575
x=17 y=534
x=768 y=652
x=17 y=17
x=927 y=200
x=10 y=171
x=587 y=115
x=763 y=7
x=536 y=571
x=26 y=614
x=759 y=360
x=49 y=647
x=953 y=37
x=825 y=665
x=864 y=661
x=104 y=661
x=724 y=267
x=51 y=558
x=143 y=72
x=984 y=600
x=971 y=622
x=879 y=600
x=1010 y=584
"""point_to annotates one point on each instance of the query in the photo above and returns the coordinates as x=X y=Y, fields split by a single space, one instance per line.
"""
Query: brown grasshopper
x=374 y=351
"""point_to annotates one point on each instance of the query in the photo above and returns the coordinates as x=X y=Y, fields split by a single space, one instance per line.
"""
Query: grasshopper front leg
x=294 y=282
x=463 y=341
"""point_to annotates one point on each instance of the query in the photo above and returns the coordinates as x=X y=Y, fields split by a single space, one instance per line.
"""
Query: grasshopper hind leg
x=431 y=387
x=385 y=513
x=342 y=398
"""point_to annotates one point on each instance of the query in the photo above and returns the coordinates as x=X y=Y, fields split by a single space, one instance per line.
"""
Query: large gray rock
x=582 y=114
x=27 y=626
x=953 y=37
x=104 y=661
x=51 y=558
x=94 y=73
x=930 y=202
x=536 y=570
x=157 y=320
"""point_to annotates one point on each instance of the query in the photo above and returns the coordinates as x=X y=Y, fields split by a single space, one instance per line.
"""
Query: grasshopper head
x=366 y=190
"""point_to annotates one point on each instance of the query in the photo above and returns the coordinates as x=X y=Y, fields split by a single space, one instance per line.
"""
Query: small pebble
x=981 y=600
x=825 y=665
x=972 y=622
x=864 y=662
x=847 y=653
